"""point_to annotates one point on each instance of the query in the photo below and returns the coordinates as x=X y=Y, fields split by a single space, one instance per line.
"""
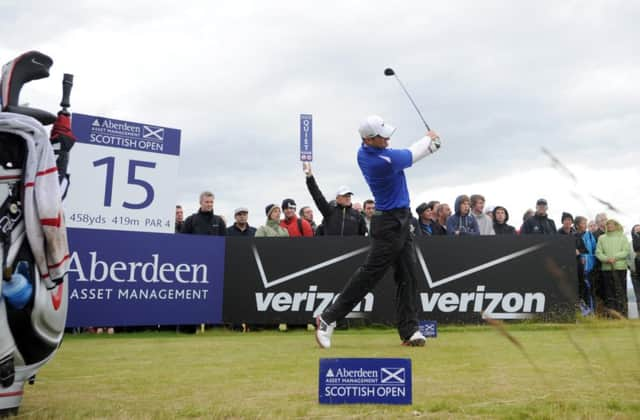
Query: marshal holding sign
x=124 y=175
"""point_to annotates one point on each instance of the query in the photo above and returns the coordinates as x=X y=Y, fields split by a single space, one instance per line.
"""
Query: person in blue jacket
x=391 y=237
x=462 y=221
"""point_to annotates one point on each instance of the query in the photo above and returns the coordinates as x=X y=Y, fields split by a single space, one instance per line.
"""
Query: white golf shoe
x=323 y=332
x=416 y=340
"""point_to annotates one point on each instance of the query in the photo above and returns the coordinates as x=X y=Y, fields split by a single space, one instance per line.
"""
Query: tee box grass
x=588 y=370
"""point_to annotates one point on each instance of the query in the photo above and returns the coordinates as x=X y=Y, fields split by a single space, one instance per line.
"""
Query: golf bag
x=34 y=253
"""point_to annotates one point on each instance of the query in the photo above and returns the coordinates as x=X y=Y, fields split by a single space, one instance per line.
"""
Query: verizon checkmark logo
x=267 y=283
x=435 y=283
x=270 y=283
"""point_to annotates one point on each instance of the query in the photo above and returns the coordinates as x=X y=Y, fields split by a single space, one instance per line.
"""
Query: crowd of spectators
x=603 y=253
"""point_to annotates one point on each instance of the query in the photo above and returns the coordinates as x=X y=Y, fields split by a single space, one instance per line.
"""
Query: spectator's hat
x=240 y=210
x=566 y=215
x=373 y=126
x=344 y=190
x=288 y=203
x=541 y=202
x=270 y=208
x=421 y=208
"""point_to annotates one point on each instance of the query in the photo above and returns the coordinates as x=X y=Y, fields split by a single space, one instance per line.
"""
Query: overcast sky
x=498 y=80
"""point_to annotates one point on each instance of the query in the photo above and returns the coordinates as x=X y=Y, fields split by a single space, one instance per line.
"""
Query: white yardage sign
x=123 y=175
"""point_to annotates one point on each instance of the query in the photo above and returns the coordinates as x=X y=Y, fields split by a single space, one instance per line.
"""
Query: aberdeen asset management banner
x=119 y=278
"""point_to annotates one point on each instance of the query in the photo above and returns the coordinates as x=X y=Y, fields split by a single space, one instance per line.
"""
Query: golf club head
x=389 y=72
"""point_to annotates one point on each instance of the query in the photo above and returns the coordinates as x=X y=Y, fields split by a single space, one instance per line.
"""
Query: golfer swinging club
x=392 y=240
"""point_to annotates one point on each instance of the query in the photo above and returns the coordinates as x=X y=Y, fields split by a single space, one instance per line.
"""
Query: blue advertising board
x=429 y=328
x=306 y=137
x=365 y=381
x=119 y=278
x=110 y=132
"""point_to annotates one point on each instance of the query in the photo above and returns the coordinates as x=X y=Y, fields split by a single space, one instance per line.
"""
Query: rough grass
x=590 y=370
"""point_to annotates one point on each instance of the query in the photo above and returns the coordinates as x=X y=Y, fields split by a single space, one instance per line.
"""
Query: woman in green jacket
x=612 y=251
x=272 y=228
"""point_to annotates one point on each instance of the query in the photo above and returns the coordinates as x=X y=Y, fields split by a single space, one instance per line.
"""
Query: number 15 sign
x=123 y=175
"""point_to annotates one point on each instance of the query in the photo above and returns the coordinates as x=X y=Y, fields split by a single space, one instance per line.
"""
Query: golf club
x=67 y=84
x=389 y=72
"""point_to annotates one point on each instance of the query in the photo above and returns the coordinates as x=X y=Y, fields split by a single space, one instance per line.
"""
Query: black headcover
x=32 y=65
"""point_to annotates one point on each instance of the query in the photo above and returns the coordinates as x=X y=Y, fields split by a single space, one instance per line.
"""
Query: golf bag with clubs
x=34 y=253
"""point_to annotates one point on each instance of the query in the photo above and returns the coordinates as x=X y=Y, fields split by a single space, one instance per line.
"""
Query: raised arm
x=315 y=192
x=425 y=146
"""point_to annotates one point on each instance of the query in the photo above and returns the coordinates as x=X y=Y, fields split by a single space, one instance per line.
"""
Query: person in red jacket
x=297 y=227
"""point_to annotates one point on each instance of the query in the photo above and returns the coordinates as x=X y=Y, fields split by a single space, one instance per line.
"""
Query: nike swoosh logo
x=56 y=298
x=34 y=61
x=387 y=158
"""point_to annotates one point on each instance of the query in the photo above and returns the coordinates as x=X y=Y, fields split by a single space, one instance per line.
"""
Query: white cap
x=240 y=210
x=344 y=190
x=373 y=126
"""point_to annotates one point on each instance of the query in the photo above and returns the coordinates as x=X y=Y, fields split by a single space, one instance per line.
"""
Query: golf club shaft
x=413 y=103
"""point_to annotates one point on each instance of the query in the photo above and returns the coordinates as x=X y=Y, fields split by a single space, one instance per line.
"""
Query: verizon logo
x=310 y=301
x=497 y=305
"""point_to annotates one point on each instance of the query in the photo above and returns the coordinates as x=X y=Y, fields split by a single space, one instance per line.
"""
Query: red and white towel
x=44 y=218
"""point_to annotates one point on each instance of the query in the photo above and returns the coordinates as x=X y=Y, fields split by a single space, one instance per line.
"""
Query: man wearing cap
x=340 y=218
x=204 y=222
x=295 y=226
x=391 y=238
x=539 y=223
x=241 y=226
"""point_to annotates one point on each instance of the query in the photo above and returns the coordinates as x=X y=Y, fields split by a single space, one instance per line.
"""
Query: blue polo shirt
x=383 y=169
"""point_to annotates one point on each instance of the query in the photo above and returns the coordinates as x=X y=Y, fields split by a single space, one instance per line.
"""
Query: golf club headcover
x=32 y=65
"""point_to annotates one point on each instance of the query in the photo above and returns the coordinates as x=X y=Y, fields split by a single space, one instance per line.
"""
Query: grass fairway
x=590 y=370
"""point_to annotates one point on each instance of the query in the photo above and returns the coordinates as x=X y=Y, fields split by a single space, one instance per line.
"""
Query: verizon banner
x=272 y=280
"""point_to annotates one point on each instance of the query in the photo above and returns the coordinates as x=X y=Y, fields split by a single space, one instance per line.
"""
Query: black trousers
x=615 y=286
x=597 y=283
x=391 y=246
x=635 y=281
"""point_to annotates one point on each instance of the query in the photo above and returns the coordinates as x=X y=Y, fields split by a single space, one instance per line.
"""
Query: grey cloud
x=499 y=80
